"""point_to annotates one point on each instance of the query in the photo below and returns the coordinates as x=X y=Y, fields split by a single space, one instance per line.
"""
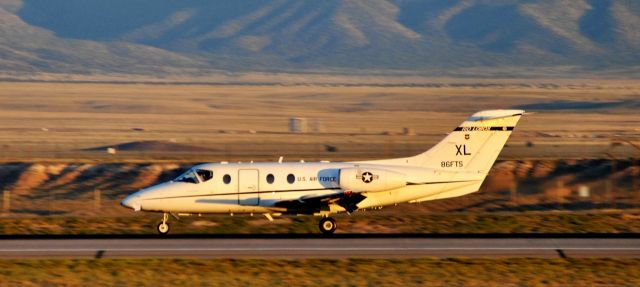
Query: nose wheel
x=327 y=225
x=163 y=227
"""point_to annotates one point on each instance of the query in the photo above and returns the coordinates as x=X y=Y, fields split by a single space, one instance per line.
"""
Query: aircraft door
x=248 y=187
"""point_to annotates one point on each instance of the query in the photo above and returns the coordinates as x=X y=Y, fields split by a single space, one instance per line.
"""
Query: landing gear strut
x=163 y=227
x=327 y=225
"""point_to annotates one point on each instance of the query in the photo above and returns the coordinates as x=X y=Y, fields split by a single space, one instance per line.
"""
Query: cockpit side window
x=189 y=177
x=204 y=174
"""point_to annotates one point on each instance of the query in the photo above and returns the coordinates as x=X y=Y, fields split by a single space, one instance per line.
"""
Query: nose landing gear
x=327 y=225
x=163 y=227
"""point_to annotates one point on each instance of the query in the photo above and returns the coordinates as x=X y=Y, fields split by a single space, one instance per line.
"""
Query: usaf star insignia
x=367 y=177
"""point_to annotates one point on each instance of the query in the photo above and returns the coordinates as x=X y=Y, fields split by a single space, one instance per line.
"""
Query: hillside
x=198 y=37
x=540 y=185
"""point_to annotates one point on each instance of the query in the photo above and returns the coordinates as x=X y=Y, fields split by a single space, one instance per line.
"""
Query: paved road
x=320 y=247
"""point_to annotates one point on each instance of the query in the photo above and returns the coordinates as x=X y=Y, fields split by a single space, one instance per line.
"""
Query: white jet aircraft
x=454 y=167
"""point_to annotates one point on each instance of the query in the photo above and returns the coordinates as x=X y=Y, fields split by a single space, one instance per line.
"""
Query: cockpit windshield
x=188 y=176
x=195 y=176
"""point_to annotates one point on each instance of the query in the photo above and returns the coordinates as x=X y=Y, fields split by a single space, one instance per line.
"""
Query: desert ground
x=62 y=122
x=57 y=178
x=54 y=138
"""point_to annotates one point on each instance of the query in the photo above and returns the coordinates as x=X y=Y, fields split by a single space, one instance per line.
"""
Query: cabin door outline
x=248 y=187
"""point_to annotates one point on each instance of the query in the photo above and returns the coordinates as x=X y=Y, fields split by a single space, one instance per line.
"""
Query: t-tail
x=474 y=145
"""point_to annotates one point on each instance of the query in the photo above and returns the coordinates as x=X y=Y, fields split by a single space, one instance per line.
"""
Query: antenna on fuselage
x=280 y=159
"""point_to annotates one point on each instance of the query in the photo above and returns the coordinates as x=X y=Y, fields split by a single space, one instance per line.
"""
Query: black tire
x=327 y=225
x=163 y=228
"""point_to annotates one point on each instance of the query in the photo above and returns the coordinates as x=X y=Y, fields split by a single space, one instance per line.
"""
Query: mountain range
x=196 y=37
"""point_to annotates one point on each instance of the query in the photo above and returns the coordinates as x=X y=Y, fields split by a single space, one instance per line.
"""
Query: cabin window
x=204 y=174
x=291 y=178
x=226 y=179
x=270 y=178
x=190 y=176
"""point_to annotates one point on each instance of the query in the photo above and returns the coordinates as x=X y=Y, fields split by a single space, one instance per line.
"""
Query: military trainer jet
x=454 y=167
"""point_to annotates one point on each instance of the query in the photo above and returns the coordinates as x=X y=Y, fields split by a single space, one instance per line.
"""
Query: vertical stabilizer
x=474 y=145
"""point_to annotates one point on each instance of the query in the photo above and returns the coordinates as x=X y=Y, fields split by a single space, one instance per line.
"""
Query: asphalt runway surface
x=317 y=247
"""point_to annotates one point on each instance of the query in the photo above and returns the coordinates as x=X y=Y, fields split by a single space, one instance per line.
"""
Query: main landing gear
x=163 y=227
x=327 y=225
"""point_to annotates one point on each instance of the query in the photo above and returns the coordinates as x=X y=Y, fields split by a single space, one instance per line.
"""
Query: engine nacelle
x=370 y=179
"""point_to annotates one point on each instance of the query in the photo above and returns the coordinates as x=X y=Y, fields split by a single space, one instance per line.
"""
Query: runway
x=334 y=248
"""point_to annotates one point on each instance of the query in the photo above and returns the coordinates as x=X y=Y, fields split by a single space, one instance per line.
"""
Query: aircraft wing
x=321 y=197
x=315 y=203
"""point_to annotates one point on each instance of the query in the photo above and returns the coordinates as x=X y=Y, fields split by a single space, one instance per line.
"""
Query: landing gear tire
x=163 y=227
x=327 y=225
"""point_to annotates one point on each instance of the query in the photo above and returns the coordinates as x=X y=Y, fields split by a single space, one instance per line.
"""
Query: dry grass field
x=314 y=272
x=404 y=219
x=63 y=122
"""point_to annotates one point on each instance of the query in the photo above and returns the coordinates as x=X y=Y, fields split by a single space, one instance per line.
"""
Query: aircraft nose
x=131 y=201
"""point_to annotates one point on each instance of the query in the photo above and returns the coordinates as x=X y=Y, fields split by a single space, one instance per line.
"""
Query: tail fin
x=474 y=145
